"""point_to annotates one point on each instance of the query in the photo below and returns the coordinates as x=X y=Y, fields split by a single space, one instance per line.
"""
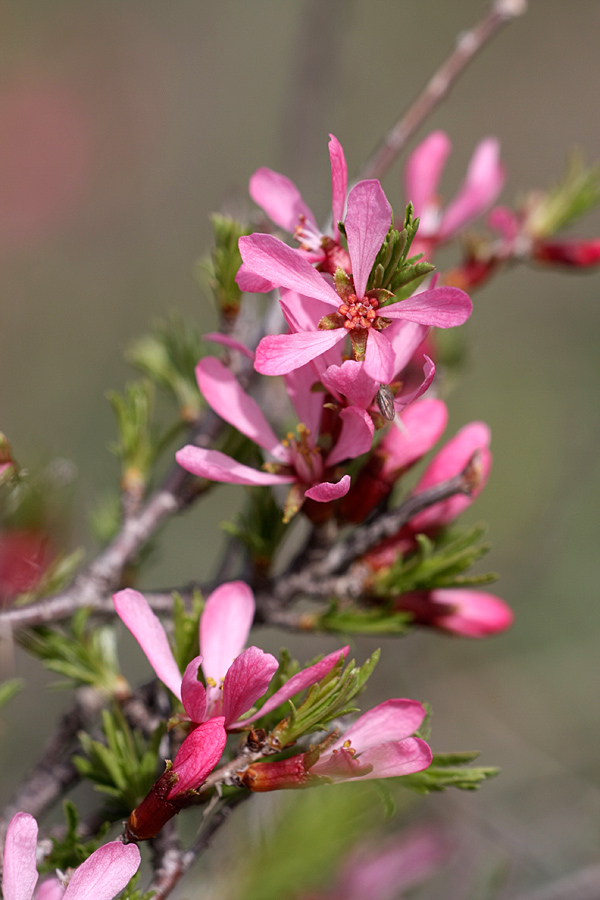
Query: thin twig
x=468 y=45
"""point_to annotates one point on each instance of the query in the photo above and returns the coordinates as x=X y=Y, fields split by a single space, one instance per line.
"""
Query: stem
x=468 y=45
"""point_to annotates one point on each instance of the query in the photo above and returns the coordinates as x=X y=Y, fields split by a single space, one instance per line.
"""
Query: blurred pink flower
x=461 y=611
x=483 y=182
x=101 y=877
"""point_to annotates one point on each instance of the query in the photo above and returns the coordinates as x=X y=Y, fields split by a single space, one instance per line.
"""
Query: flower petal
x=251 y=283
x=421 y=426
x=193 y=692
x=223 y=392
x=280 y=199
x=247 y=679
x=339 y=181
x=198 y=755
x=379 y=357
x=467 y=613
x=270 y=258
x=216 y=466
x=351 y=380
x=299 y=682
x=230 y=342
x=225 y=624
x=19 y=876
x=105 y=873
x=451 y=460
x=395 y=758
x=328 y=490
x=356 y=435
x=307 y=403
x=406 y=338
x=51 y=889
x=423 y=171
x=484 y=181
x=403 y=399
x=392 y=720
x=278 y=354
x=367 y=222
x=444 y=307
x=134 y=611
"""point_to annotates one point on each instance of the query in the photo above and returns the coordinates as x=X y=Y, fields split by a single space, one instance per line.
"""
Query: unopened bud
x=573 y=254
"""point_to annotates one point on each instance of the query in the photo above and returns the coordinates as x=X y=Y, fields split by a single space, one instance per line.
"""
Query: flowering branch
x=468 y=45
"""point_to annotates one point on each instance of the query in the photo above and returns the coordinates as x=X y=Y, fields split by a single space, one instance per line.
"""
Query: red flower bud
x=578 y=254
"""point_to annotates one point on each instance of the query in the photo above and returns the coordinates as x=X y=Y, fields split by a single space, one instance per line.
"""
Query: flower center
x=307 y=235
x=358 y=313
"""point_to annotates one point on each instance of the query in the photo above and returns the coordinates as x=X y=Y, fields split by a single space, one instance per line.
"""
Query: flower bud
x=577 y=254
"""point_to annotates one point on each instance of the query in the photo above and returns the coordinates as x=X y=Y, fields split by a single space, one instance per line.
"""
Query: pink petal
x=392 y=720
x=247 y=679
x=367 y=222
x=404 y=399
x=329 y=490
x=20 y=875
x=451 y=460
x=280 y=199
x=467 y=613
x=198 y=755
x=396 y=758
x=299 y=682
x=484 y=181
x=444 y=307
x=278 y=354
x=270 y=258
x=216 y=466
x=51 y=889
x=105 y=873
x=307 y=403
x=227 y=341
x=302 y=313
x=340 y=766
x=356 y=436
x=503 y=220
x=251 y=283
x=134 y=611
x=422 y=425
x=405 y=338
x=223 y=392
x=339 y=181
x=193 y=692
x=379 y=357
x=351 y=380
x=424 y=169
x=225 y=624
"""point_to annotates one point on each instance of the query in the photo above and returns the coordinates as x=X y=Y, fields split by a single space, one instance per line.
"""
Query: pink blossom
x=101 y=877
x=198 y=755
x=468 y=613
x=235 y=678
x=483 y=182
x=297 y=459
x=281 y=200
x=357 y=314
x=377 y=745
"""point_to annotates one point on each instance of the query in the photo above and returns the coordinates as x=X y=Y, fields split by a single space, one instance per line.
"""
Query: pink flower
x=483 y=182
x=474 y=438
x=420 y=426
x=358 y=313
x=235 y=677
x=297 y=459
x=283 y=203
x=198 y=755
x=460 y=611
x=101 y=877
x=377 y=745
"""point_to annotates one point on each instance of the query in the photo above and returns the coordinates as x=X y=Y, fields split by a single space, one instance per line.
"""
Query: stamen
x=358 y=313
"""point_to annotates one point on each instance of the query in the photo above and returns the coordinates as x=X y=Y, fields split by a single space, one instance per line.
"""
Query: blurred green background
x=123 y=125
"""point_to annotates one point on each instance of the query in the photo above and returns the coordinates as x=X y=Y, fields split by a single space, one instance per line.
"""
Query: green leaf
x=356 y=620
x=221 y=268
x=441 y=778
x=185 y=628
x=69 y=851
x=9 y=689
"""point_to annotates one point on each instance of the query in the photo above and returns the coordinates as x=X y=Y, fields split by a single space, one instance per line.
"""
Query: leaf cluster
x=222 y=266
x=70 y=851
x=259 y=527
x=435 y=565
x=328 y=699
x=82 y=655
x=393 y=269
x=124 y=768
x=449 y=770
